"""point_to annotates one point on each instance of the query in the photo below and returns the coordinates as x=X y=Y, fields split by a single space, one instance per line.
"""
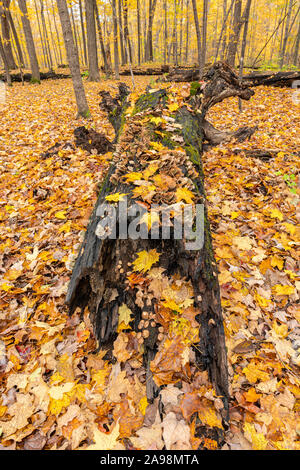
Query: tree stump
x=161 y=298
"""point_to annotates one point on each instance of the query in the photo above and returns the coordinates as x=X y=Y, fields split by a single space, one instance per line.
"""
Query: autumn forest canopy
x=149 y=233
x=161 y=31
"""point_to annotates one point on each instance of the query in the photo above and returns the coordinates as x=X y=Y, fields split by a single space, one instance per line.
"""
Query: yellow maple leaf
x=100 y=377
x=173 y=107
x=133 y=176
x=277 y=262
x=259 y=442
x=251 y=395
x=59 y=400
x=145 y=260
x=290 y=228
x=143 y=405
x=170 y=303
x=262 y=301
x=143 y=191
x=65 y=227
x=105 y=441
x=278 y=289
x=149 y=218
x=209 y=417
x=124 y=317
x=157 y=146
x=253 y=373
x=243 y=243
x=150 y=170
x=115 y=197
x=184 y=194
x=281 y=330
x=60 y=215
x=157 y=120
x=276 y=214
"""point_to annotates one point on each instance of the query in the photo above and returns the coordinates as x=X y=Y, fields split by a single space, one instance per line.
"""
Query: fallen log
x=157 y=299
x=145 y=70
x=277 y=79
x=17 y=77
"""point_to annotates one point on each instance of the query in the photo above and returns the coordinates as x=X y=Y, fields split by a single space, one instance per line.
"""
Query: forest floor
x=57 y=394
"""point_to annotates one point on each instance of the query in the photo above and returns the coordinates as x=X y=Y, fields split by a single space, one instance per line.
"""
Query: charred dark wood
x=98 y=283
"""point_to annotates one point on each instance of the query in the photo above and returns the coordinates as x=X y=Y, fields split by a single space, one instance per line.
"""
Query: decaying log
x=101 y=275
x=16 y=76
x=277 y=79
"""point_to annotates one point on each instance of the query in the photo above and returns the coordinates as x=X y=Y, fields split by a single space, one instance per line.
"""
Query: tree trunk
x=5 y=63
x=75 y=35
x=116 y=48
x=244 y=44
x=83 y=32
x=18 y=45
x=286 y=33
x=204 y=36
x=91 y=41
x=100 y=34
x=165 y=31
x=174 y=36
x=35 y=71
x=187 y=31
x=106 y=277
x=296 y=58
x=47 y=42
x=127 y=43
x=234 y=37
x=121 y=33
x=138 y=19
x=73 y=60
x=57 y=34
x=4 y=10
x=149 y=43
x=223 y=31
x=197 y=27
x=41 y=36
x=52 y=38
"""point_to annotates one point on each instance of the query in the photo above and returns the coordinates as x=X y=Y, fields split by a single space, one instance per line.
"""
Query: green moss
x=194 y=155
x=149 y=101
x=194 y=88
x=34 y=80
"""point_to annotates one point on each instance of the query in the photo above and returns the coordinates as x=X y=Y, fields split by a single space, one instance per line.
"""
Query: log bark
x=277 y=79
x=97 y=281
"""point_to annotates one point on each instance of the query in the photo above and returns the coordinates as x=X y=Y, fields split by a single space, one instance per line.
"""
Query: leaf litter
x=56 y=392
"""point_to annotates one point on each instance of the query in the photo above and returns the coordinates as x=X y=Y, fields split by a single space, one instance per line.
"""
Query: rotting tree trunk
x=97 y=280
x=278 y=79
